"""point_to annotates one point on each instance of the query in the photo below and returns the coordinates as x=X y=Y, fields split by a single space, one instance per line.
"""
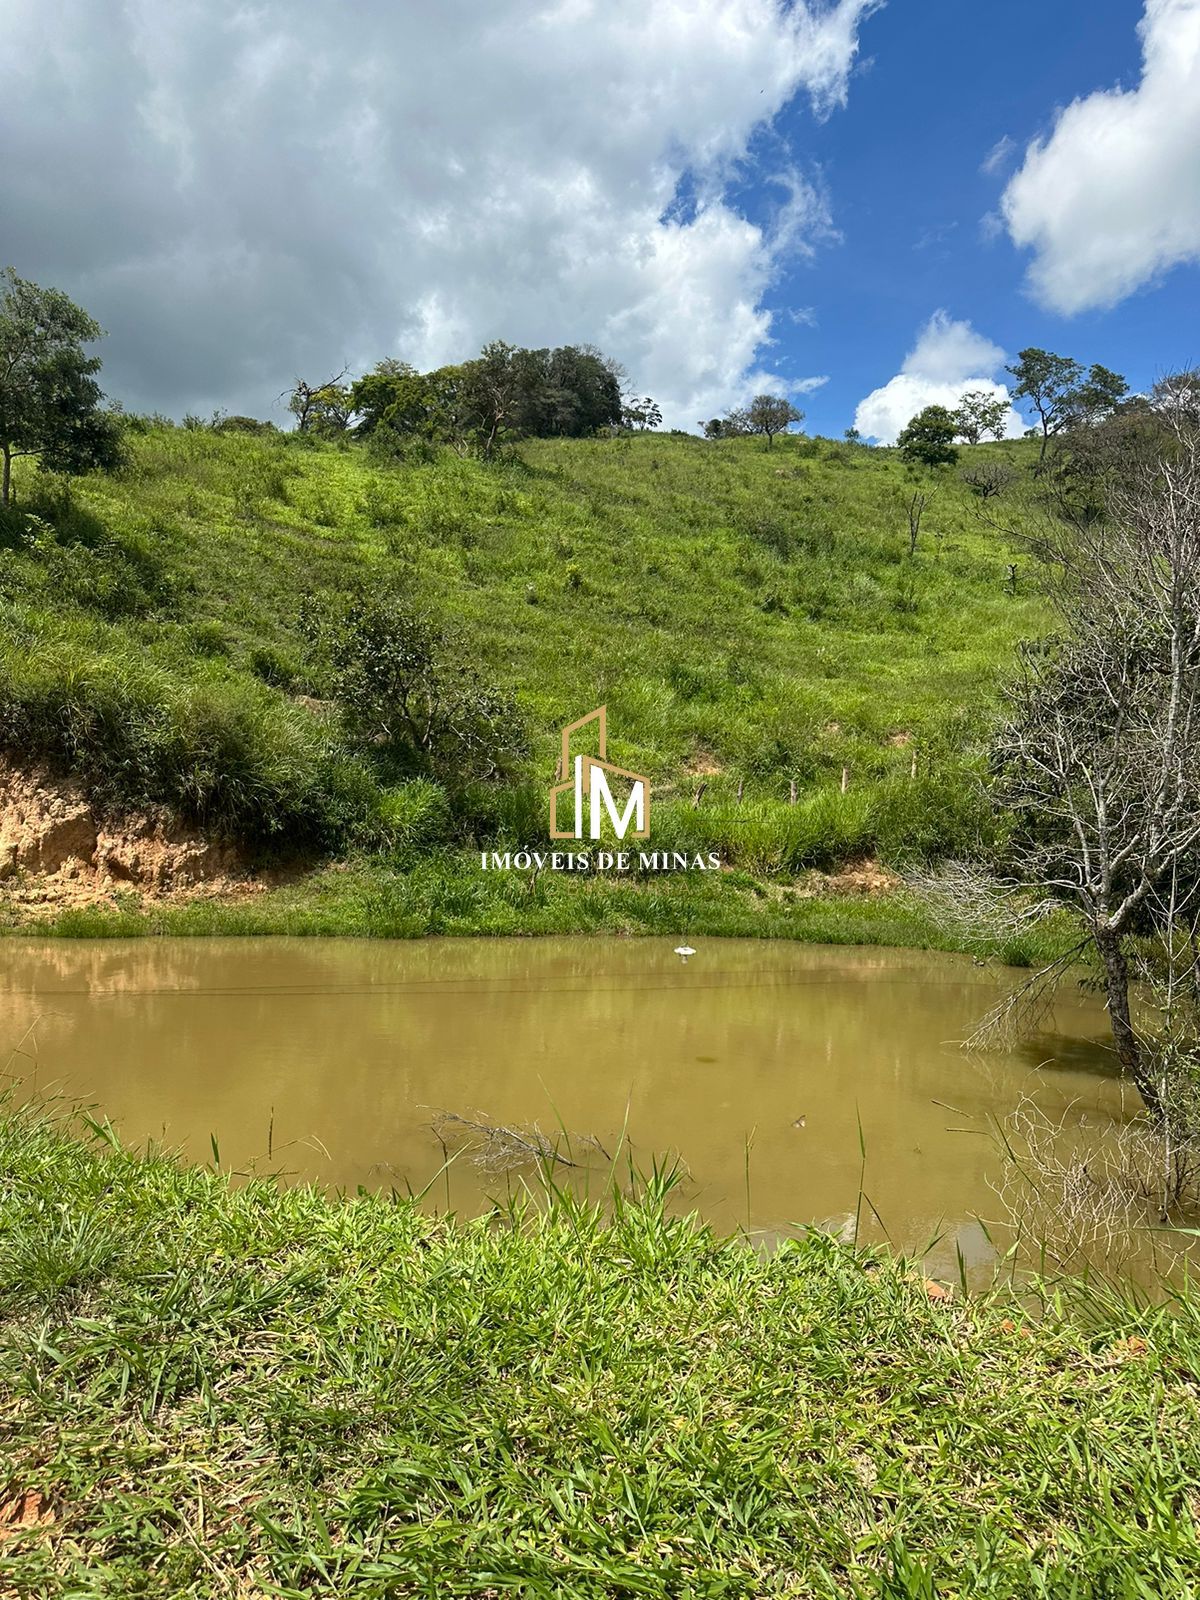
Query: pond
x=756 y=1064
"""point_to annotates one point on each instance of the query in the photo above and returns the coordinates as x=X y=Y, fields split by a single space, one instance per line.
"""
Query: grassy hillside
x=247 y=1389
x=750 y=616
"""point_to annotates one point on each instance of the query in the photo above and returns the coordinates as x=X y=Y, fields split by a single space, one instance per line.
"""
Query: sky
x=866 y=206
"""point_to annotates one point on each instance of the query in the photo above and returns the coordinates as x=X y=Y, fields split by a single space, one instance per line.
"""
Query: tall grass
x=217 y=1389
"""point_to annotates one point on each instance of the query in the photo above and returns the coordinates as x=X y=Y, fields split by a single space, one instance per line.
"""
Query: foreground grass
x=450 y=895
x=224 y=1390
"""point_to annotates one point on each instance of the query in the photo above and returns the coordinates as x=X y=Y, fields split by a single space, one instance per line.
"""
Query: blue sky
x=938 y=86
x=246 y=194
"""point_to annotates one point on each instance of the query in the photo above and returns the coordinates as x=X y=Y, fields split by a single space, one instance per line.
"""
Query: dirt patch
x=856 y=877
x=703 y=764
x=57 y=849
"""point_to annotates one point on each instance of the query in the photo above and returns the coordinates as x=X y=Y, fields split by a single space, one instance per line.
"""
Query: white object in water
x=683 y=951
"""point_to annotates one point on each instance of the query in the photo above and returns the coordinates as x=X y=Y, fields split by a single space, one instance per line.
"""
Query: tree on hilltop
x=50 y=402
x=770 y=414
x=979 y=413
x=929 y=437
x=1061 y=394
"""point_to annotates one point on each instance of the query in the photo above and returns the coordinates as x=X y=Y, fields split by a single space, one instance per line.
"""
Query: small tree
x=1062 y=395
x=641 y=414
x=322 y=408
x=988 y=479
x=929 y=438
x=1097 y=396
x=1049 y=383
x=770 y=414
x=410 y=694
x=50 y=402
x=980 y=413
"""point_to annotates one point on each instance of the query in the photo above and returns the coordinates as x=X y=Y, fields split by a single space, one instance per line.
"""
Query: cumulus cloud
x=1112 y=198
x=948 y=358
x=244 y=193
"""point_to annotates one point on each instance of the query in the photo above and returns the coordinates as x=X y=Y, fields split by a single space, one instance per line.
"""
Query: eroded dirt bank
x=58 y=849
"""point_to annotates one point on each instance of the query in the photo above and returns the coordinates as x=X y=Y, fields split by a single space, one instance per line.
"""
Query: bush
x=409 y=693
x=224 y=753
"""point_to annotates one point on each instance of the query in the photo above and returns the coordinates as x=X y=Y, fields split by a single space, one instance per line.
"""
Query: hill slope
x=751 y=617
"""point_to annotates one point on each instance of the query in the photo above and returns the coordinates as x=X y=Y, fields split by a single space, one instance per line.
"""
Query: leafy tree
x=929 y=437
x=770 y=414
x=49 y=398
x=641 y=414
x=1049 y=383
x=980 y=413
x=1098 y=396
x=852 y=436
x=583 y=392
x=500 y=392
x=393 y=394
x=396 y=402
x=732 y=425
x=1062 y=394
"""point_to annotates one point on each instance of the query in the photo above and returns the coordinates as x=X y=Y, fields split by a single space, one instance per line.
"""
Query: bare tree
x=916 y=510
x=988 y=479
x=1099 y=757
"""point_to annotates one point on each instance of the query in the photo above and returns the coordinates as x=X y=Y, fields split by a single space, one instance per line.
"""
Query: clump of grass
x=217 y=1388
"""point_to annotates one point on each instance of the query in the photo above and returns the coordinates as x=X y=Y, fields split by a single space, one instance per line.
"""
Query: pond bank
x=450 y=895
x=214 y=1390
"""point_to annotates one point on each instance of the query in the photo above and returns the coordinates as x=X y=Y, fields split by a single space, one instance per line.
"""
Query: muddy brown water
x=328 y=1060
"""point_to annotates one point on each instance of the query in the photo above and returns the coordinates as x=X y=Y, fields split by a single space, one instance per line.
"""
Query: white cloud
x=244 y=193
x=1112 y=198
x=948 y=358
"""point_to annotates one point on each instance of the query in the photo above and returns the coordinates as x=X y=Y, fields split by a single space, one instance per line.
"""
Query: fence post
x=792 y=794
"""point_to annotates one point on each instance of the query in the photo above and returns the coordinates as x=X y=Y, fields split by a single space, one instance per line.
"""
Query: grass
x=449 y=895
x=753 y=619
x=223 y=1389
